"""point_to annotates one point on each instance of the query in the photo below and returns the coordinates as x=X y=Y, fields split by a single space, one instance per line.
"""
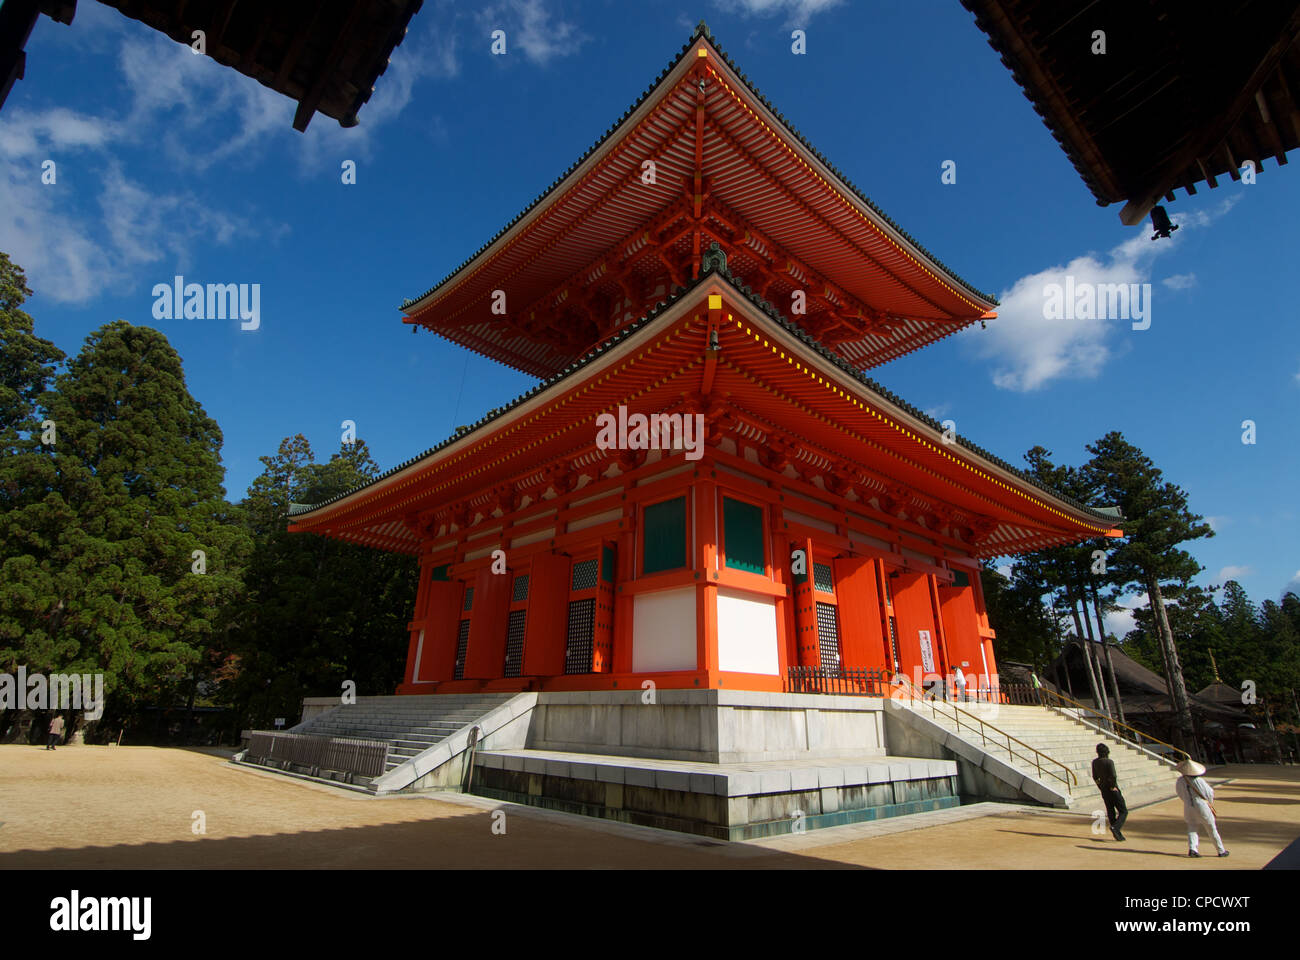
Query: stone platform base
x=724 y=801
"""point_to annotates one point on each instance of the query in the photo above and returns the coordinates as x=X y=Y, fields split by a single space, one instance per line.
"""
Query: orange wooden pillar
x=705 y=561
x=624 y=603
x=485 y=656
x=807 y=640
x=779 y=545
x=859 y=603
x=548 y=609
x=985 y=631
x=413 y=649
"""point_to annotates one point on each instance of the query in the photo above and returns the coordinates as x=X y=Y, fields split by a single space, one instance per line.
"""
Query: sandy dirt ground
x=137 y=807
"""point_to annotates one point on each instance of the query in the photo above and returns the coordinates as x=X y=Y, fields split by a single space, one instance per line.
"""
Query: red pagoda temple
x=704 y=490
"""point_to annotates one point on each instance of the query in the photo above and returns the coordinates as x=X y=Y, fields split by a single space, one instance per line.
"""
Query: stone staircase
x=1142 y=777
x=410 y=724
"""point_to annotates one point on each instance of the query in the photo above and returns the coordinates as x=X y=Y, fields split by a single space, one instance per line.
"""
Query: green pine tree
x=1156 y=520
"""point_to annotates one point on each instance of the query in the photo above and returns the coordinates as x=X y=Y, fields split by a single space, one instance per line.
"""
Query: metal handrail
x=958 y=713
x=1116 y=723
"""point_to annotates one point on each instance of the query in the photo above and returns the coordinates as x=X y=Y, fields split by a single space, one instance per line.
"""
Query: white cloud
x=533 y=29
x=24 y=135
x=1029 y=351
x=85 y=234
x=1232 y=573
x=1119 y=622
x=1218 y=523
x=1180 y=281
x=797 y=12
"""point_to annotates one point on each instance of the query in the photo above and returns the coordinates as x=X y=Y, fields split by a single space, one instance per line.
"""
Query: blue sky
x=169 y=164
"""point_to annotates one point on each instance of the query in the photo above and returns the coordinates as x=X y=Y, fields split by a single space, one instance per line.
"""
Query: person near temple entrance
x=959 y=683
x=1198 y=806
x=1107 y=780
x=1038 y=687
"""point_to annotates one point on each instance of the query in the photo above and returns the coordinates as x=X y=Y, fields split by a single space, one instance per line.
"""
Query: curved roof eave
x=1108 y=515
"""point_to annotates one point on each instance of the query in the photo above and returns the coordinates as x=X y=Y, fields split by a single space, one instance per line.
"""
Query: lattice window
x=515 y=642
x=462 y=641
x=584 y=575
x=469 y=599
x=893 y=640
x=828 y=635
x=822 y=578
x=582 y=622
x=520 y=589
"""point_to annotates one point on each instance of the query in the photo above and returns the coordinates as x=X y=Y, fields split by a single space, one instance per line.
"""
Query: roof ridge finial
x=702 y=30
x=714 y=258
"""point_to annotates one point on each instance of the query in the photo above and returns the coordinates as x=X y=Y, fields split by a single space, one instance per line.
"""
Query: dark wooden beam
x=325 y=72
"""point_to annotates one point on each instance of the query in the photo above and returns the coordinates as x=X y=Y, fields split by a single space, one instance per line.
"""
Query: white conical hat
x=1190 y=768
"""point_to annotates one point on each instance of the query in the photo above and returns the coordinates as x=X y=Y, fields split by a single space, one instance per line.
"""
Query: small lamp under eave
x=1161 y=224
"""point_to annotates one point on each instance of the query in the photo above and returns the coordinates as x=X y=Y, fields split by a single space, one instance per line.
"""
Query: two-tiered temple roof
x=605 y=280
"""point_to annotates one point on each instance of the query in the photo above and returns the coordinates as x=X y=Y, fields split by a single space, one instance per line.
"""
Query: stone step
x=1129 y=770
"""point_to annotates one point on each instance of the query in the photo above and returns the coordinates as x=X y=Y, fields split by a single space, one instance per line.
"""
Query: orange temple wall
x=568 y=602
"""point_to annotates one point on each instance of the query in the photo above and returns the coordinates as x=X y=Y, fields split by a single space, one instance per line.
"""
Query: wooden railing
x=850 y=682
x=364 y=758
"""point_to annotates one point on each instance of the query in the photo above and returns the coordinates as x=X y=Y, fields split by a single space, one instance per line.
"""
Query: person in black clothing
x=1107 y=780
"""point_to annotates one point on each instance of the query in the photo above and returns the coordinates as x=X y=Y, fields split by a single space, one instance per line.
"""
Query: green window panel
x=607 y=564
x=960 y=579
x=664 y=536
x=439 y=574
x=743 y=527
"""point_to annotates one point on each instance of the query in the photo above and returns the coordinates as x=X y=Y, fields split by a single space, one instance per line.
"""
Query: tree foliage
x=318 y=612
x=101 y=536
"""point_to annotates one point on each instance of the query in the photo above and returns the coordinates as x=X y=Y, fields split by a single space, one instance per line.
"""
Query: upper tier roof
x=601 y=246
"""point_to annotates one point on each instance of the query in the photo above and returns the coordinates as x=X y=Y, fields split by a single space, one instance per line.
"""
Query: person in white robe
x=1198 y=806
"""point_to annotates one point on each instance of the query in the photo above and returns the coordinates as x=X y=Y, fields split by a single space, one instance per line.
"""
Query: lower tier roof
x=806 y=412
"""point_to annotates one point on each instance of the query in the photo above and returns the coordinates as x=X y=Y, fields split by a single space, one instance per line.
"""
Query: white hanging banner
x=927 y=654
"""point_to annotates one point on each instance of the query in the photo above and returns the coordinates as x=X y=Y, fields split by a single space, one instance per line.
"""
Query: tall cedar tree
x=319 y=612
x=1156 y=520
x=111 y=581
x=27 y=366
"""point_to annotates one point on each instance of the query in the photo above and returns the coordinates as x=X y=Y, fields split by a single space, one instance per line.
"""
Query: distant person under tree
x=56 y=731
